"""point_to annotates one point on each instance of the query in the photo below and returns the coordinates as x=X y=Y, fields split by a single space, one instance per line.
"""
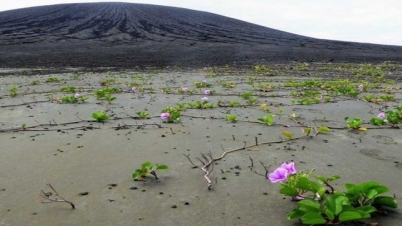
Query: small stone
x=174 y=206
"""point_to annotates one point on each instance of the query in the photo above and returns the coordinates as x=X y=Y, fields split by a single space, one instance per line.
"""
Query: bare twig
x=252 y=163
x=188 y=157
x=50 y=197
x=207 y=170
x=266 y=168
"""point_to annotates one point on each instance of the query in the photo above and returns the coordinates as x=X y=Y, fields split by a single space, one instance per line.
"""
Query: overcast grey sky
x=371 y=21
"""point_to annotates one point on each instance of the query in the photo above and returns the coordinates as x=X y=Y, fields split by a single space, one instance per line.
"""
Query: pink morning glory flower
x=204 y=81
x=134 y=89
x=184 y=89
x=279 y=175
x=290 y=167
x=207 y=92
x=204 y=98
x=165 y=116
x=360 y=88
x=77 y=95
x=382 y=115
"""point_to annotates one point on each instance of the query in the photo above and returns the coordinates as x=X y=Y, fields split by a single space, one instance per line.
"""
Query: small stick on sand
x=56 y=198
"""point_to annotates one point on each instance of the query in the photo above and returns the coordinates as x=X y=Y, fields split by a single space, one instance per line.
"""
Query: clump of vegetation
x=103 y=93
x=69 y=89
x=268 y=120
x=319 y=203
x=148 y=168
x=202 y=84
x=53 y=80
x=100 y=116
x=231 y=118
x=107 y=81
x=74 y=98
x=355 y=123
x=171 y=115
x=143 y=114
x=13 y=91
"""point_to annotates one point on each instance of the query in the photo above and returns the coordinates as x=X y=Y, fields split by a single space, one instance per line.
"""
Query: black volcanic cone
x=124 y=34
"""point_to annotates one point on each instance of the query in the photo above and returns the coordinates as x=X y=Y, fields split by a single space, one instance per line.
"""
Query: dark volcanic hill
x=124 y=34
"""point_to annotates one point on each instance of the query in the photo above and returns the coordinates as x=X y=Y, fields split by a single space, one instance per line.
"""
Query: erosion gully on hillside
x=47 y=137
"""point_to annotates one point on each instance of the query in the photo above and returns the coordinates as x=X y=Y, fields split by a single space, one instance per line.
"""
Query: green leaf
x=329 y=214
x=371 y=193
x=322 y=180
x=307 y=130
x=313 y=218
x=334 y=203
x=332 y=178
x=287 y=134
x=309 y=206
x=297 y=213
x=321 y=191
x=381 y=189
x=385 y=201
x=324 y=129
x=364 y=214
x=349 y=187
x=367 y=209
x=146 y=164
x=289 y=191
x=305 y=184
x=350 y=215
x=137 y=173
x=161 y=167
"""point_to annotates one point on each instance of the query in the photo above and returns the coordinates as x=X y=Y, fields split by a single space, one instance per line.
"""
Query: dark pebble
x=83 y=193
x=133 y=188
x=174 y=206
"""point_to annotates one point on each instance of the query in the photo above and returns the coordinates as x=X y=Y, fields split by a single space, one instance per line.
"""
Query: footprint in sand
x=373 y=153
x=384 y=139
x=317 y=111
x=356 y=134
